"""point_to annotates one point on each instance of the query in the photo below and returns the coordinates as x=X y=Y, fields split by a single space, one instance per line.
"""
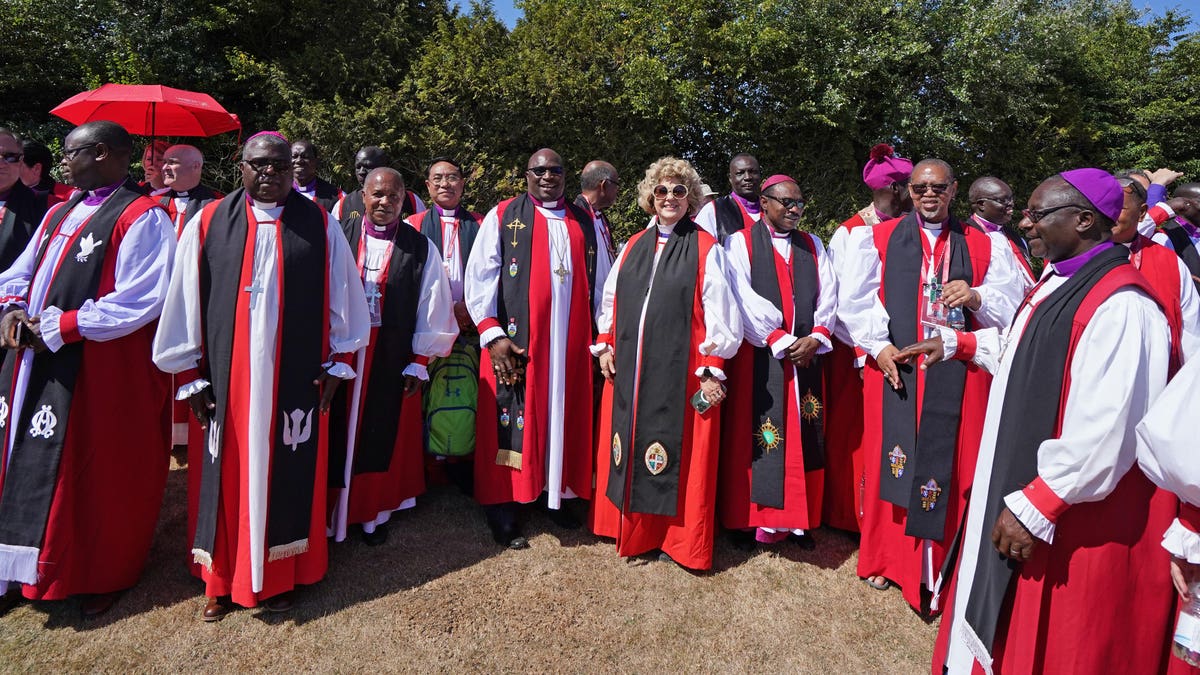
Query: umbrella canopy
x=150 y=110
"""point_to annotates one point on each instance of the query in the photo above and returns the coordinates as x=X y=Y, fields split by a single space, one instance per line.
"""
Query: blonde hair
x=677 y=169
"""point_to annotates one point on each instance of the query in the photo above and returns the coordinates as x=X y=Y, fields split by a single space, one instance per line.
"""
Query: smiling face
x=383 y=195
x=182 y=165
x=548 y=187
x=932 y=188
x=782 y=206
x=745 y=177
x=993 y=201
x=304 y=162
x=1065 y=225
x=670 y=203
x=445 y=185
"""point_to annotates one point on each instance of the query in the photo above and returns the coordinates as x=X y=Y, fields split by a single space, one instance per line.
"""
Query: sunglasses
x=11 y=157
x=1002 y=202
x=922 y=188
x=787 y=202
x=1036 y=216
x=540 y=171
x=261 y=165
x=678 y=192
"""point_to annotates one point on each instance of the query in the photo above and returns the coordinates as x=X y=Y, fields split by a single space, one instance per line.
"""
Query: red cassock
x=844 y=480
x=885 y=549
x=687 y=536
x=114 y=462
x=803 y=485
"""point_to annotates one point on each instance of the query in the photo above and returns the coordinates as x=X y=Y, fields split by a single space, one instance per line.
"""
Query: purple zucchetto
x=1098 y=187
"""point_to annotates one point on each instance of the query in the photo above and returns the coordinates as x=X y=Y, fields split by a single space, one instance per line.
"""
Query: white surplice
x=143 y=267
x=178 y=343
x=1119 y=366
x=1167 y=453
x=722 y=320
x=433 y=337
x=707 y=218
x=484 y=267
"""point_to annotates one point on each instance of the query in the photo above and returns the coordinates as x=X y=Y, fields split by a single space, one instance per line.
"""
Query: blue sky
x=509 y=14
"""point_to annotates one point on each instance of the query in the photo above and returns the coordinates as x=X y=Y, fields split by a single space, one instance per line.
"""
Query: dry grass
x=440 y=596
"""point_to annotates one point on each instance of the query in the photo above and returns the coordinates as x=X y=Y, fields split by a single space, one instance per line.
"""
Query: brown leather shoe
x=216 y=609
x=279 y=603
x=95 y=605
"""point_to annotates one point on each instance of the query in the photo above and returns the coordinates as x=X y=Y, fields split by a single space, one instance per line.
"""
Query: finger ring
x=1013 y=551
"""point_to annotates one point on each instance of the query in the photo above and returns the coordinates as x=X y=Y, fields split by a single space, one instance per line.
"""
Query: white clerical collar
x=264 y=206
x=181 y=195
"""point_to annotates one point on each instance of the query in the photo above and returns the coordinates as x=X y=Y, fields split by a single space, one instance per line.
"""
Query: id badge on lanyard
x=936 y=272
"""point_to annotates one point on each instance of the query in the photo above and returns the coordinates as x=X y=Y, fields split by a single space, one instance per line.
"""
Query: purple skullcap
x=268 y=133
x=885 y=168
x=1100 y=188
x=776 y=180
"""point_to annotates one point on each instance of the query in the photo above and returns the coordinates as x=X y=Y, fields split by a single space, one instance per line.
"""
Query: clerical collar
x=97 y=196
x=1068 y=267
x=663 y=229
x=928 y=225
x=552 y=206
x=444 y=213
x=780 y=235
x=381 y=231
x=750 y=206
x=986 y=224
x=159 y=192
x=310 y=187
x=181 y=195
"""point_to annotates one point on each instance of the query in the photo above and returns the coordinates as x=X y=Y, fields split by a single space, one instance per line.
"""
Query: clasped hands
x=18 y=330
x=714 y=391
x=203 y=404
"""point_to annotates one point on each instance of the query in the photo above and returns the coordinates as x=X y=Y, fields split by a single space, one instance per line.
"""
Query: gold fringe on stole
x=287 y=550
x=509 y=458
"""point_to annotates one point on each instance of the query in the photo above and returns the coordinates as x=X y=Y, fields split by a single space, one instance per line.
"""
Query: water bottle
x=956 y=319
x=1187 y=628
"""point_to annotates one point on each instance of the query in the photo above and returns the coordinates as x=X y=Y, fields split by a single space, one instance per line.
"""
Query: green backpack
x=450 y=402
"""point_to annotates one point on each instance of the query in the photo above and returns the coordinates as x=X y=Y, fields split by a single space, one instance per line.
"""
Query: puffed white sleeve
x=14 y=281
x=178 y=342
x=858 y=303
x=707 y=219
x=604 y=313
x=825 y=313
x=722 y=321
x=1189 y=303
x=349 y=316
x=1119 y=367
x=436 y=328
x=603 y=267
x=482 y=279
x=762 y=322
x=142 y=274
x=1166 y=453
x=1003 y=286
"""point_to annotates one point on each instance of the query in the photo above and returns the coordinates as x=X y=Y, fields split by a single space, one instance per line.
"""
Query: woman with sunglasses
x=667 y=322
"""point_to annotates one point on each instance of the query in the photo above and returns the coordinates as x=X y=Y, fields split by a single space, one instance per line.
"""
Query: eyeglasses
x=70 y=154
x=613 y=181
x=1006 y=202
x=448 y=179
x=678 y=192
x=922 y=188
x=1036 y=216
x=787 y=202
x=261 y=165
x=11 y=157
x=540 y=171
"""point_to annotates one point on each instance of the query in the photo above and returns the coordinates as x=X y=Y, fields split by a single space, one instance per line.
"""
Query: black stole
x=23 y=212
x=32 y=470
x=771 y=392
x=302 y=349
x=907 y=452
x=327 y=195
x=730 y=217
x=586 y=206
x=468 y=229
x=1184 y=248
x=654 y=429
x=197 y=198
x=1029 y=416
x=383 y=399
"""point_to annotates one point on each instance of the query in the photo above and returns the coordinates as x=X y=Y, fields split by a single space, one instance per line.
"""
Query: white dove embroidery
x=86 y=246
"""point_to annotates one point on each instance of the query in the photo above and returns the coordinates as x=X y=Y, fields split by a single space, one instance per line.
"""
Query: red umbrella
x=150 y=110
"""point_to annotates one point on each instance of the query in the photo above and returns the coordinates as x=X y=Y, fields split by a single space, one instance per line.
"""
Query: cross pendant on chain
x=254 y=290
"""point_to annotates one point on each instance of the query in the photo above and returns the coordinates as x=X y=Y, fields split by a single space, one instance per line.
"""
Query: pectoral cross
x=373 y=296
x=591 y=260
x=253 y=289
x=514 y=226
x=562 y=273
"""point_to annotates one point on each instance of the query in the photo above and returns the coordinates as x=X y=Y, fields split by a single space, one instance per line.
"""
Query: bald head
x=182 y=166
x=1188 y=191
x=544 y=175
x=266 y=142
x=99 y=154
x=991 y=199
x=600 y=184
x=383 y=196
